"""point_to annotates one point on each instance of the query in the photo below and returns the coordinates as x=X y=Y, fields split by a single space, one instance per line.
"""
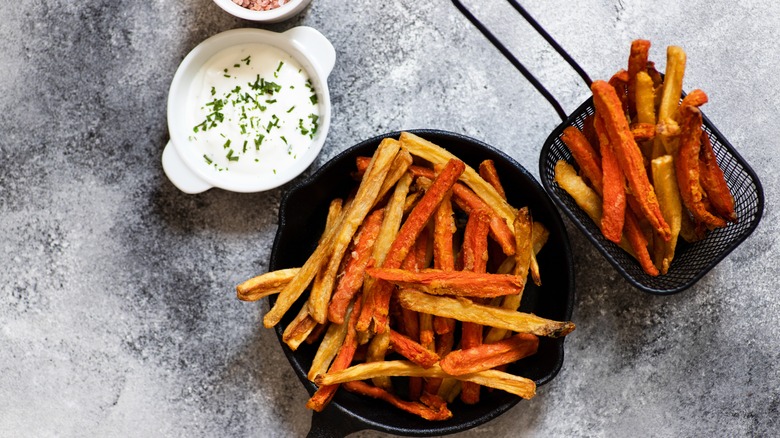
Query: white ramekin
x=182 y=163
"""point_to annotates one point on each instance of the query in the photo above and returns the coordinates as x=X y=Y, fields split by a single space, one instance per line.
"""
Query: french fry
x=377 y=348
x=519 y=386
x=266 y=284
x=488 y=356
x=637 y=62
x=391 y=223
x=408 y=348
x=585 y=197
x=687 y=161
x=613 y=186
x=525 y=248
x=359 y=207
x=628 y=155
x=352 y=280
x=368 y=193
x=398 y=168
x=408 y=233
x=713 y=181
x=488 y=172
x=299 y=329
x=645 y=108
x=670 y=98
x=585 y=155
x=465 y=310
x=643 y=132
x=458 y=283
x=324 y=394
x=665 y=182
x=428 y=408
x=329 y=347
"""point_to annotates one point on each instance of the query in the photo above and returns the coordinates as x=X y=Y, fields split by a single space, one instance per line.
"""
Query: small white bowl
x=185 y=166
x=287 y=10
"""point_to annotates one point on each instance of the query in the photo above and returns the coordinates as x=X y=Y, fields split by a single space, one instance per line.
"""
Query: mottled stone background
x=117 y=310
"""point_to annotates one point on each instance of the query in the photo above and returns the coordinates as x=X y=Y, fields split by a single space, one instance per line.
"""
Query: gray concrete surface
x=117 y=310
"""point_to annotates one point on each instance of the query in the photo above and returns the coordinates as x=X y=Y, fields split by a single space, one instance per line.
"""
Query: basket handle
x=516 y=63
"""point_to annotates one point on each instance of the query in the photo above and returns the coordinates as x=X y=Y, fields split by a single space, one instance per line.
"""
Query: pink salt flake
x=260 y=5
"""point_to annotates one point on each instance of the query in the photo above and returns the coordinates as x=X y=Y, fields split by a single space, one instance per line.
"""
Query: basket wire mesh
x=692 y=260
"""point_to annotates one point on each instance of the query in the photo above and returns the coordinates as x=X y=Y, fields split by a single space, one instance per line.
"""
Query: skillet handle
x=332 y=423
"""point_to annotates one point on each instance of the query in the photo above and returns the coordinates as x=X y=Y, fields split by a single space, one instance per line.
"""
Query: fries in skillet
x=395 y=272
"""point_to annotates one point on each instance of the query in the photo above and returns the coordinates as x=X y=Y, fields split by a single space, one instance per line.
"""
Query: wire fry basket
x=692 y=260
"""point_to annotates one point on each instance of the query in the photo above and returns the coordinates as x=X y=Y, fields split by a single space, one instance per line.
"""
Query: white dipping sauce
x=252 y=109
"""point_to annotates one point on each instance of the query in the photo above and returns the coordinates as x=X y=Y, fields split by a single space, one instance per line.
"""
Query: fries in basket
x=652 y=166
x=394 y=277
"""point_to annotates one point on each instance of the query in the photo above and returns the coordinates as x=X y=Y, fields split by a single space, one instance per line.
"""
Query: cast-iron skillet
x=301 y=221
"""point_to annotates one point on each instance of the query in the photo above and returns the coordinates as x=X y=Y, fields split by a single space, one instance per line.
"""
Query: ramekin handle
x=321 y=49
x=180 y=175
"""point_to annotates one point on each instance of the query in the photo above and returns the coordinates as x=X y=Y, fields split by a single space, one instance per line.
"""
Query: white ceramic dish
x=287 y=10
x=182 y=163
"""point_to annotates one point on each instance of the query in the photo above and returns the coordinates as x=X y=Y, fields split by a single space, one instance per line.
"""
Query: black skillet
x=301 y=221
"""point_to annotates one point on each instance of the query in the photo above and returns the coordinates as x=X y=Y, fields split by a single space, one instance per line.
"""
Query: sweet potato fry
x=665 y=182
x=266 y=284
x=412 y=350
x=427 y=408
x=713 y=181
x=585 y=155
x=465 y=310
x=619 y=83
x=352 y=280
x=488 y=172
x=643 y=131
x=489 y=356
x=614 y=192
x=474 y=250
x=687 y=161
x=637 y=62
x=359 y=207
x=459 y=283
x=520 y=386
x=408 y=233
x=628 y=155
x=324 y=394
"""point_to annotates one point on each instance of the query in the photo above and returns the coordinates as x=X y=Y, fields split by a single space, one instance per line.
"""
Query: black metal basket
x=692 y=260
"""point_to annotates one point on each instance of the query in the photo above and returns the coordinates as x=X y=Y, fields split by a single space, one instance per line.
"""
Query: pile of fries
x=651 y=158
x=426 y=261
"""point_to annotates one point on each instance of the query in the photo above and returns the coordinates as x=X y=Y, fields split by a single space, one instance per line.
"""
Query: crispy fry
x=520 y=386
x=377 y=348
x=713 y=181
x=459 y=283
x=398 y=168
x=619 y=83
x=637 y=62
x=488 y=356
x=352 y=280
x=359 y=207
x=346 y=352
x=687 y=161
x=643 y=132
x=614 y=193
x=408 y=233
x=585 y=155
x=465 y=310
x=329 y=347
x=299 y=329
x=488 y=172
x=412 y=350
x=429 y=409
x=266 y=284
x=585 y=197
x=665 y=183
x=628 y=155
x=474 y=250
x=645 y=109
x=638 y=242
x=670 y=98
x=443 y=229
